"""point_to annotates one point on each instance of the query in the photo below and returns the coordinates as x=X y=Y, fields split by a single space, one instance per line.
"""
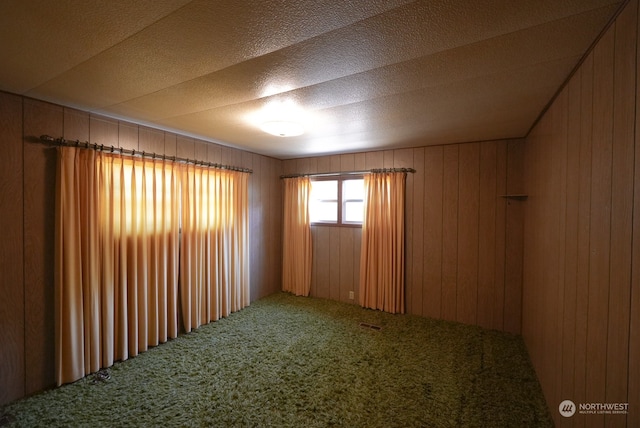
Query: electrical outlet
x=351 y=295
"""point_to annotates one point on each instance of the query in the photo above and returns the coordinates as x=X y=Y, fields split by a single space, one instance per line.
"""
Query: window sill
x=351 y=225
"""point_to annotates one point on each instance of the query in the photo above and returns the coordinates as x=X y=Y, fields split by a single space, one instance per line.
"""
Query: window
x=337 y=201
x=140 y=196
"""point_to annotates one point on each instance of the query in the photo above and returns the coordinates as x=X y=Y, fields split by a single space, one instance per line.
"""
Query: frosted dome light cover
x=282 y=128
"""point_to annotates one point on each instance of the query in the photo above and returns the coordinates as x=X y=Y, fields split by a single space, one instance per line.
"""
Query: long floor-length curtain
x=214 y=270
x=297 y=245
x=118 y=254
x=116 y=270
x=382 y=251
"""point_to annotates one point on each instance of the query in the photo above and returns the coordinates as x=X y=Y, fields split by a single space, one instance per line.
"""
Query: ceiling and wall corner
x=364 y=75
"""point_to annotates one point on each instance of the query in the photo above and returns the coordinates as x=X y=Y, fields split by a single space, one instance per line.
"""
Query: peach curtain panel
x=117 y=258
x=297 y=248
x=214 y=264
x=382 y=253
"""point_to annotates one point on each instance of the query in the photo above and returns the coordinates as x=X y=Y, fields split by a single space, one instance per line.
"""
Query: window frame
x=340 y=200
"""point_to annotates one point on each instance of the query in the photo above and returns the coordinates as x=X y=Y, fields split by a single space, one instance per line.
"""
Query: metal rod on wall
x=131 y=152
x=368 y=171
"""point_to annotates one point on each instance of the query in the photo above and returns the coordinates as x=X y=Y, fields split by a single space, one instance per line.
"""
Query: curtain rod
x=368 y=171
x=131 y=152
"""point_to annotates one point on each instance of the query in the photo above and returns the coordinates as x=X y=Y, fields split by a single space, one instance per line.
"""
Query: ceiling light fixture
x=282 y=128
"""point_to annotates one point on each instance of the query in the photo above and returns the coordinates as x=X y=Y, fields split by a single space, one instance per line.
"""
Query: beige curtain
x=297 y=248
x=382 y=253
x=214 y=269
x=118 y=254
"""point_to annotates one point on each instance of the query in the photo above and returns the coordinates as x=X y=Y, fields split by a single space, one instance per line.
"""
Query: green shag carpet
x=289 y=361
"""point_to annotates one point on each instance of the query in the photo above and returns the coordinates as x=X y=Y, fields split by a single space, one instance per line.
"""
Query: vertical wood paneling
x=128 y=137
x=200 y=152
x=247 y=158
x=357 y=245
x=334 y=163
x=313 y=291
x=257 y=237
x=267 y=231
x=487 y=233
x=276 y=222
x=313 y=164
x=359 y=161
x=12 y=340
x=322 y=249
x=514 y=236
x=39 y=204
x=413 y=237
x=236 y=158
x=334 y=263
x=185 y=146
x=227 y=155
x=531 y=245
x=497 y=308
x=104 y=131
x=374 y=160
x=387 y=158
x=347 y=263
x=324 y=164
x=403 y=158
x=170 y=144
x=151 y=141
x=288 y=167
x=214 y=153
x=600 y=243
x=560 y=167
x=302 y=165
x=76 y=127
x=450 y=233
x=571 y=238
x=581 y=263
x=430 y=160
x=633 y=395
x=468 y=185
x=621 y=208
x=347 y=162
x=584 y=231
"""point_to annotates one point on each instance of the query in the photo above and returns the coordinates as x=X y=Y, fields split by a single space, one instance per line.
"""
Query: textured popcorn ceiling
x=361 y=75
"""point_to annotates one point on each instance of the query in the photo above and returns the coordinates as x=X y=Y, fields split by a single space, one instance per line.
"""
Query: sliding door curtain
x=122 y=262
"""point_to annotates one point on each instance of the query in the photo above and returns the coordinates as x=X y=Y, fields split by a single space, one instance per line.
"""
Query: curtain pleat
x=382 y=250
x=297 y=244
x=69 y=335
x=215 y=266
x=123 y=275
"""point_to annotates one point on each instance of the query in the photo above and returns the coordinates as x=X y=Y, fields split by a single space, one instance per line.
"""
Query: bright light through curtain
x=118 y=256
x=116 y=270
x=214 y=269
x=297 y=248
x=382 y=253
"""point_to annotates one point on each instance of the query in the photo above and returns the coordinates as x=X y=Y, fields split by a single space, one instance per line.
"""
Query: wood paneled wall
x=27 y=190
x=581 y=318
x=12 y=285
x=463 y=240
